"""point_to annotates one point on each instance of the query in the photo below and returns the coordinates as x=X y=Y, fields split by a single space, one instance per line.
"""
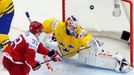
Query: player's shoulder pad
x=82 y=33
x=31 y=40
x=54 y=24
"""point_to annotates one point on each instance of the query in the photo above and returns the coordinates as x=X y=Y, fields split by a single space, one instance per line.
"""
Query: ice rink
x=39 y=10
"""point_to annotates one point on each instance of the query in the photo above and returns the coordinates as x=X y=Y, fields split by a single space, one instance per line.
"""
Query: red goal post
x=131 y=32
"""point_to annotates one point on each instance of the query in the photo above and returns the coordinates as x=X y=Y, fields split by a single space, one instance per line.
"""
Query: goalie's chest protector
x=66 y=42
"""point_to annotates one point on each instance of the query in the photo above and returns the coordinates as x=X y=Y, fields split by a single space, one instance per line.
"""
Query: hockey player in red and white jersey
x=71 y=37
x=21 y=53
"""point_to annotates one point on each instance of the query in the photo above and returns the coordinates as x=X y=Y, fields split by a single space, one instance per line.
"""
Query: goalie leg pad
x=93 y=57
x=89 y=57
x=104 y=60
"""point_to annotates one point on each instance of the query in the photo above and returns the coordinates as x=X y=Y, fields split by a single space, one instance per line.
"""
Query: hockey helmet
x=72 y=24
x=36 y=27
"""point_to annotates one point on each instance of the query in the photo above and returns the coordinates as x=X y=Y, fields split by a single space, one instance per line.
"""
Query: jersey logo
x=65 y=49
x=61 y=43
x=70 y=46
x=16 y=42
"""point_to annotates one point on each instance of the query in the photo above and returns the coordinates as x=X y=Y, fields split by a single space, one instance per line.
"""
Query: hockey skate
x=122 y=65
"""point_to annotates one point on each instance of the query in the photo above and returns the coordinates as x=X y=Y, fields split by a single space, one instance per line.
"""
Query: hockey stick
x=28 y=16
x=46 y=61
x=67 y=54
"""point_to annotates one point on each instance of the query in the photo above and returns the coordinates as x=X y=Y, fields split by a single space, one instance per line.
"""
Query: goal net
x=106 y=18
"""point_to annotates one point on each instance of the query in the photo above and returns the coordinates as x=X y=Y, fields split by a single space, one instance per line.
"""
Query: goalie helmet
x=72 y=24
x=36 y=27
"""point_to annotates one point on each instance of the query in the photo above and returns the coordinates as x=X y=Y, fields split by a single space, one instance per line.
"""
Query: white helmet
x=72 y=24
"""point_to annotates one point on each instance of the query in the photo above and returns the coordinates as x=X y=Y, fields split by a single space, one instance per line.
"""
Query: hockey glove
x=55 y=56
x=37 y=66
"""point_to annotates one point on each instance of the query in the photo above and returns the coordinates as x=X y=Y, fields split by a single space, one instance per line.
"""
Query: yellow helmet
x=47 y=24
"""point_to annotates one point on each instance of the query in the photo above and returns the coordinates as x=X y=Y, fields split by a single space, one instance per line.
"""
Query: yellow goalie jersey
x=67 y=43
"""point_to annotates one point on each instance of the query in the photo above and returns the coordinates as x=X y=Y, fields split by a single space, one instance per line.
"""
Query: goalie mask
x=72 y=25
x=36 y=27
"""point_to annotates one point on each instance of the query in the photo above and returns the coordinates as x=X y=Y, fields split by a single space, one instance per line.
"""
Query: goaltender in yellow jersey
x=71 y=37
x=66 y=42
